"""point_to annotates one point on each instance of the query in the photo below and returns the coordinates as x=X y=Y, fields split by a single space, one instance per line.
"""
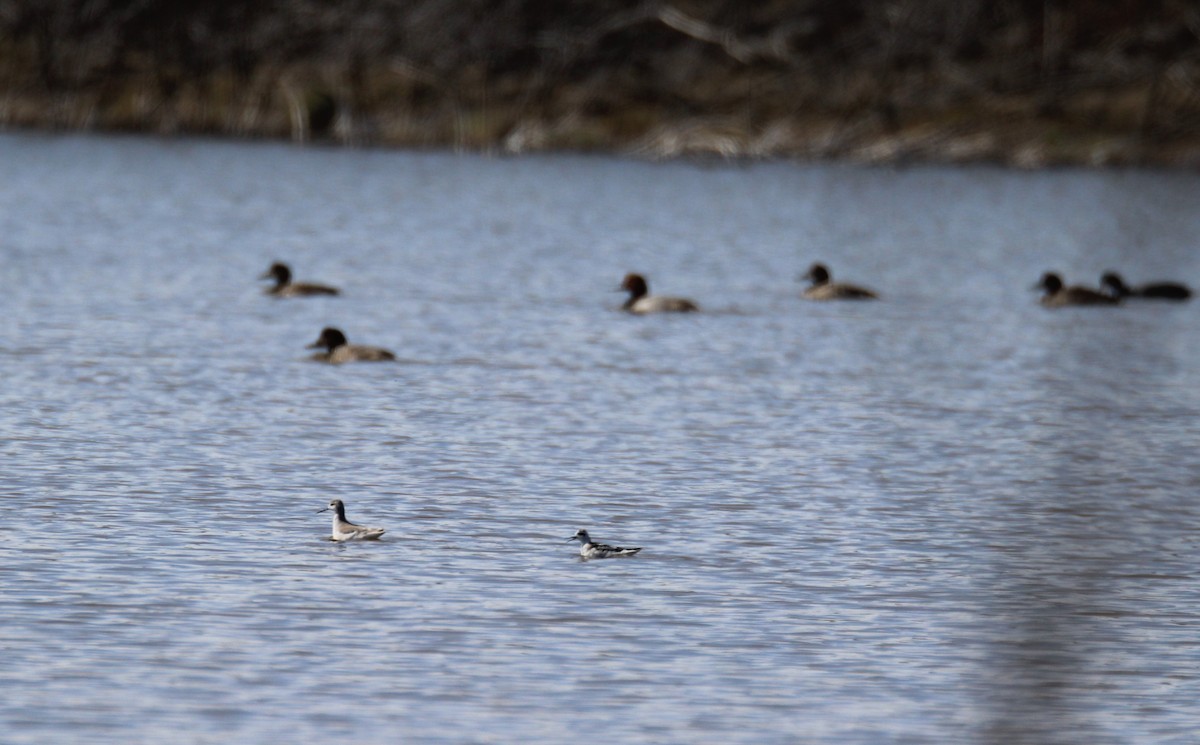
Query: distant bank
x=1016 y=82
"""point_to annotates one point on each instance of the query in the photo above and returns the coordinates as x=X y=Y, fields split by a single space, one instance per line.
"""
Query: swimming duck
x=1151 y=291
x=590 y=550
x=285 y=287
x=338 y=351
x=344 y=530
x=1058 y=296
x=641 y=301
x=823 y=288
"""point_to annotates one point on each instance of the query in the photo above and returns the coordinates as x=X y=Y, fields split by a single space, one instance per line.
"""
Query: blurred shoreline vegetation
x=1028 y=83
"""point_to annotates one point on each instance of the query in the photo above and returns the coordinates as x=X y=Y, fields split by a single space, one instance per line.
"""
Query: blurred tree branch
x=1128 y=66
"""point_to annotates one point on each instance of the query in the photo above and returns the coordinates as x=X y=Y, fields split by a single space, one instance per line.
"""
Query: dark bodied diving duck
x=824 y=288
x=285 y=287
x=337 y=350
x=1057 y=295
x=1116 y=287
x=641 y=301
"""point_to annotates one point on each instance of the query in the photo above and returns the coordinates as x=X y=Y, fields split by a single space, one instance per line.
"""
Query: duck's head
x=1050 y=282
x=1113 y=281
x=330 y=338
x=635 y=285
x=817 y=274
x=278 y=272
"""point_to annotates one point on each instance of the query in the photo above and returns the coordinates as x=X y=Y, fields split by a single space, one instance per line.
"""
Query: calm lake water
x=950 y=516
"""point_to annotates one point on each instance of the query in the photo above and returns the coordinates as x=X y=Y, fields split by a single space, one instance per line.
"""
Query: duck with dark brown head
x=1057 y=295
x=1116 y=287
x=641 y=301
x=824 y=288
x=285 y=287
x=338 y=350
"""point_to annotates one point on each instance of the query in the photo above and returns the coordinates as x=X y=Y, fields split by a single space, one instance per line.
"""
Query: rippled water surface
x=949 y=516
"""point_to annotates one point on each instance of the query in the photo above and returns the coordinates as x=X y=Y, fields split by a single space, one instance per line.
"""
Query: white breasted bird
x=590 y=550
x=344 y=530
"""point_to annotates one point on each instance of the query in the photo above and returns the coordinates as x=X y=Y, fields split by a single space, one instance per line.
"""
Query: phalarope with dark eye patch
x=344 y=530
x=590 y=550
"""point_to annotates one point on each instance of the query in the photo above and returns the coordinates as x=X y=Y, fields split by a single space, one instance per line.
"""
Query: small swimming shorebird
x=344 y=530
x=590 y=550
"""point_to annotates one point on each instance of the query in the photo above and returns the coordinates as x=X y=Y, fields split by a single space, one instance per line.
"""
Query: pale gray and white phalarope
x=344 y=530
x=591 y=550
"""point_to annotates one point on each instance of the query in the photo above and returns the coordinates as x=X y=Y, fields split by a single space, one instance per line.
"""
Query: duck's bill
x=314 y=345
